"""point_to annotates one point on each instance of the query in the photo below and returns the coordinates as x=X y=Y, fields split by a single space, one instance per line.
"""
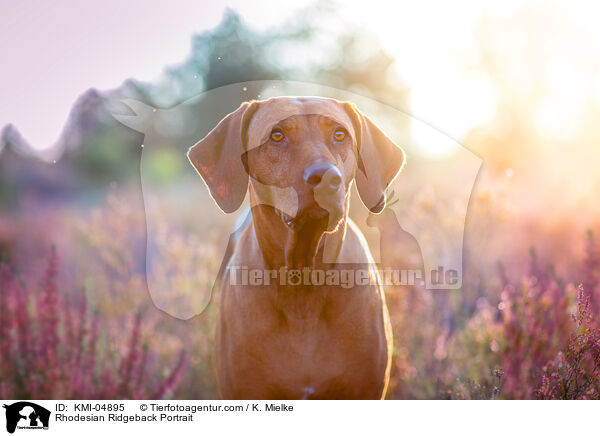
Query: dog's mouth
x=314 y=216
x=305 y=232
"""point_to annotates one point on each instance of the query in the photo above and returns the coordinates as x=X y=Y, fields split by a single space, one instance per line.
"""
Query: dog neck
x=305 y=245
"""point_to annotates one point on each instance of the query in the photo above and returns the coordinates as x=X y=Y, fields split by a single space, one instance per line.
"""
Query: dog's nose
x=327 y=175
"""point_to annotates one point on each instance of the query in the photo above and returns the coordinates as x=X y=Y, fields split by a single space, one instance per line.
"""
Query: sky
x=53 y=51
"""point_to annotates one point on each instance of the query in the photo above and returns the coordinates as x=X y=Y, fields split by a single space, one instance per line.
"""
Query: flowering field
x=77 y=320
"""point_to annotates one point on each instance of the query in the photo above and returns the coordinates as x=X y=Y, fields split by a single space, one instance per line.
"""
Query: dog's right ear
x=218 y=158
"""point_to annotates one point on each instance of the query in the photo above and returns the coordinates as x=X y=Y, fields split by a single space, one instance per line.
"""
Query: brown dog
x=283 y=340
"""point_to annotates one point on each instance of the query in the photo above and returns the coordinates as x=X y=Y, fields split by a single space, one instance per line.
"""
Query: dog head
x=301 y=156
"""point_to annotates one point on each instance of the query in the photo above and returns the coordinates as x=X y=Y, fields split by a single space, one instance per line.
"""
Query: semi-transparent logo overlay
x=417 y=240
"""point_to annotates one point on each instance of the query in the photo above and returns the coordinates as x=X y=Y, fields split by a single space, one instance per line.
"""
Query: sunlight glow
x=437 y=54
x=435 y=47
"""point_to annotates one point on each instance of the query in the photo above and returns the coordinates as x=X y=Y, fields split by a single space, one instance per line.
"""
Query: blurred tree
x=311 y=46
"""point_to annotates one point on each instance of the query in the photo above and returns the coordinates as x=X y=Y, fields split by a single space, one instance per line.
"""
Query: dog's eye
x=276 y=135
x=339 y=134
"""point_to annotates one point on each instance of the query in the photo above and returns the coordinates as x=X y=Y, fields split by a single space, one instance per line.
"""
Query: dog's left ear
x=218 y=158
x=379 y=160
